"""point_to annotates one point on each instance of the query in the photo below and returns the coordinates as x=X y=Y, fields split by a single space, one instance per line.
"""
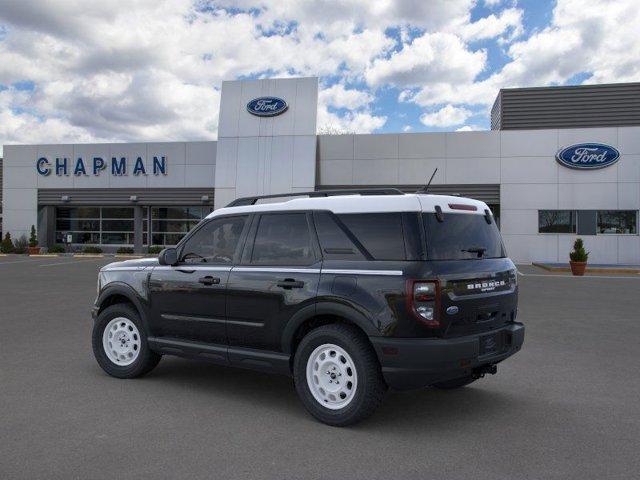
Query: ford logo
x=452 y=310
x=588 y=156
x=267 y=106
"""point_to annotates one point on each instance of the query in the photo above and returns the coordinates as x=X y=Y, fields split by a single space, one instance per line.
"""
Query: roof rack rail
x=245 y=201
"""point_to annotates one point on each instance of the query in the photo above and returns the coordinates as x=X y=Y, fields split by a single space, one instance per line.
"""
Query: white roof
x=362 y=204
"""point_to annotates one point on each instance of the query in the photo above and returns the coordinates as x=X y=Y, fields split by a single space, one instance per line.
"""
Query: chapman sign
x=267 y=106
x=588 y=156
x=117 y=166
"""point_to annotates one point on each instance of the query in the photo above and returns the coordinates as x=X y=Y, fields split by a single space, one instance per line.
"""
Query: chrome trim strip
x=393 y=273
x=124 y=269
x=195 y=267
x=275 y=270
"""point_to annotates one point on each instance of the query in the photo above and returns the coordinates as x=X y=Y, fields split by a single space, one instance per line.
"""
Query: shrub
x=33 y=238
x=20 y=245
x=7 y=244
x=57 y=248
x=125 y=250
x=579 y=254
x=155 y=249
x=91 y=249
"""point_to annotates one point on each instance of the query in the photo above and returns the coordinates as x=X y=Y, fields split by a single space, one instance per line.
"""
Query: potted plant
x=578 y=258
x=33 y=249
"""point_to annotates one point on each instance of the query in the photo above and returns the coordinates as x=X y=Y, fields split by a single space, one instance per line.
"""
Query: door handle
x=289 y=283
x=209 y=280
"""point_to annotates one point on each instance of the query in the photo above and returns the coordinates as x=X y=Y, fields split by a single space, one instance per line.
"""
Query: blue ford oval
x=588 y=156
x=267 y=106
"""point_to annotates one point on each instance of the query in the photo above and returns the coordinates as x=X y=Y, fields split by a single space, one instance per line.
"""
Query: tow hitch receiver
x=484 y=370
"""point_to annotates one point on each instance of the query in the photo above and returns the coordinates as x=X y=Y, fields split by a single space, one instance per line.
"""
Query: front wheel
x=120 y=343
x=337 y=375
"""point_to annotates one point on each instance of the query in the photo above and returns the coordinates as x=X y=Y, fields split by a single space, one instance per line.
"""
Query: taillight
x=424 y=301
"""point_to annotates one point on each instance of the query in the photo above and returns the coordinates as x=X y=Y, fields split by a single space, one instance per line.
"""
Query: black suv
x=349 y=293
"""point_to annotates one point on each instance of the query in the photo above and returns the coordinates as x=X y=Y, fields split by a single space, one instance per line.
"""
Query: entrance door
x=188 y=299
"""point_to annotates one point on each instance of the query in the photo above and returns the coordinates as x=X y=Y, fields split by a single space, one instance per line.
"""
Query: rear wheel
x=337 y=375
x=120 y=343
x=455 y=383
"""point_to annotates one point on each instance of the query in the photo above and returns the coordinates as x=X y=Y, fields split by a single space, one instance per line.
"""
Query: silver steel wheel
x=121 y=341
x=331 y=376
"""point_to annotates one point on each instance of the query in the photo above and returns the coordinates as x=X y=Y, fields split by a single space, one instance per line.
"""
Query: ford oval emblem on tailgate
x=452 y=310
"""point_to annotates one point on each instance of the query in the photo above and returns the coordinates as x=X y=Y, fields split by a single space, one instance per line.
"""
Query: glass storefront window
x=95 y=225
x=115 y=225
x=618 y=221
x=556 y=221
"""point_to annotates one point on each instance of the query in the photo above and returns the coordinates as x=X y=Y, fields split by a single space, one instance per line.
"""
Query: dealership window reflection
x=618 y=222
x=556 y=221
x=170 y=224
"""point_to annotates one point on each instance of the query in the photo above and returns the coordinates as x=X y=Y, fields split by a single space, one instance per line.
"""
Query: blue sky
x=77 y=71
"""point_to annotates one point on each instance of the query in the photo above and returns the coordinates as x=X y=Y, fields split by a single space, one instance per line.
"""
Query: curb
x=589 y=269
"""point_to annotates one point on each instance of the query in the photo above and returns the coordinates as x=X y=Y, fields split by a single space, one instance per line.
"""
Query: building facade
x=546 y=185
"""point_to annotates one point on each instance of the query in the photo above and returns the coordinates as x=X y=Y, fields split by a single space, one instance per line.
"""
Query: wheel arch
x=323 y=313
x=116 y=293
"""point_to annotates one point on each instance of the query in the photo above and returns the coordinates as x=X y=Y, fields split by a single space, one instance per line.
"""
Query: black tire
x=455 y=383
x=370 y=388
x=146 y=360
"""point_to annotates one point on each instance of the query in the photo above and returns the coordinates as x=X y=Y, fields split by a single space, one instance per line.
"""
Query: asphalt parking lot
x=567 y=406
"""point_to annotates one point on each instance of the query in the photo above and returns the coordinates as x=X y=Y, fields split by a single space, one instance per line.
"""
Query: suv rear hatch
x=477 y=282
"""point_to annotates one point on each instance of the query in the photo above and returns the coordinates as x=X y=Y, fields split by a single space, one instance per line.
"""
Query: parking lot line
x=73 y=262
x=21 y=261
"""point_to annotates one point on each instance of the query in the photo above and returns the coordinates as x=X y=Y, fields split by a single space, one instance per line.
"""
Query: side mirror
x=168 y=256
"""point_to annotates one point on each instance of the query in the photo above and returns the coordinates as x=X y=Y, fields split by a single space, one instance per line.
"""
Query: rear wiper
x=479 y=250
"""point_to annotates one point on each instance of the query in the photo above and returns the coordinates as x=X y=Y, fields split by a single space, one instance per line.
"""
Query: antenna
x=425 y=189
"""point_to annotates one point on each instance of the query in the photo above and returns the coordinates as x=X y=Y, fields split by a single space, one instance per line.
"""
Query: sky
x=77 y=71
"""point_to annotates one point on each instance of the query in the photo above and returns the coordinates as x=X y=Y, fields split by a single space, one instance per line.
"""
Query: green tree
x=33 y=238
x=7 y=244
x=579 y=254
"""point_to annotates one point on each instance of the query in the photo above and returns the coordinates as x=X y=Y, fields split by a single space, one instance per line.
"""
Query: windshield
x=462 y=236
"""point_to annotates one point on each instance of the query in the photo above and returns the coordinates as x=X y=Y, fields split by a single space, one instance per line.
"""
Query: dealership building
x=559 y=162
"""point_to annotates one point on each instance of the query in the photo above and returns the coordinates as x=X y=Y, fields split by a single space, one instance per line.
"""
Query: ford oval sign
x=267 y=106
x=588 y=156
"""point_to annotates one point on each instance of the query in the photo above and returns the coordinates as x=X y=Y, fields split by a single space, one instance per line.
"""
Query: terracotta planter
x=33 y=250
x=578 y=268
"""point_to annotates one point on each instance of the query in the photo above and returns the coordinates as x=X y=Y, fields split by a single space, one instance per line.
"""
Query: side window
x=283 y=239
x=334 y=241
x=380 y=233
x=214 y=243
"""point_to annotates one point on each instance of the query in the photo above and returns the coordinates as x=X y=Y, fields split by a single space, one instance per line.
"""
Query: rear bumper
x=418 y=362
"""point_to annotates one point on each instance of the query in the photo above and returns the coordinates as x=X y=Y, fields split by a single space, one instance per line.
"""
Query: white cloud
x=469 y=128
x=407 y=128
x=447 y=116
x=432 y=57
x=358 y=122
x=509 y=22
x=340 y=97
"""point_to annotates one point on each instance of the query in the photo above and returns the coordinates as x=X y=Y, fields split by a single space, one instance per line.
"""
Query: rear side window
x=283 y=239
x=461 y=237
x=335 y=240
x=381 y=234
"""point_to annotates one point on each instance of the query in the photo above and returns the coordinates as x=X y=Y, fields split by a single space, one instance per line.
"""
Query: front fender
x=127 y=291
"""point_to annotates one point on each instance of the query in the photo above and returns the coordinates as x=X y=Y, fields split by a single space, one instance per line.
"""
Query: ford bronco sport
x=348 y=292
